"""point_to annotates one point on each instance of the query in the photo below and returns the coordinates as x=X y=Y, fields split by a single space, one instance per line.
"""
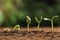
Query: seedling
x=38 y=21
x=17 y=28
x=51 y=21
x=6 y=29
x=28 y=20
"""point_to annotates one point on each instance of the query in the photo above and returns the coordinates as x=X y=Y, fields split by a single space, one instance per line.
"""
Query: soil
x=44 y=34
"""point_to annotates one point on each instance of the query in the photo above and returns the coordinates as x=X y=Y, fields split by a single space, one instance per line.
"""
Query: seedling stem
x=38 y=26
x=28 y=20
x=38 y=21
x=28 y=27
x=51 y=21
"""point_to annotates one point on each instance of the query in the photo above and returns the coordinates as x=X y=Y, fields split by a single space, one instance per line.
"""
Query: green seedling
x=51 y=21
x=28 y=20
x=38 y=21
x=17 y=28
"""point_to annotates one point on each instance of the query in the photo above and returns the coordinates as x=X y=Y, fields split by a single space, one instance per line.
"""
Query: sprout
x=28 y=20
x=6 y=29
x=17 y=28
x=51 y=22
x=38 y=21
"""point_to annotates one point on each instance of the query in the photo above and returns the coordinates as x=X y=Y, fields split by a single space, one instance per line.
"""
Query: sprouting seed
x=28 y=20
x=17 y=28
x=28 y=17
x=46 y=19
x=6 y=29
x=51 y=22
x=38 y=21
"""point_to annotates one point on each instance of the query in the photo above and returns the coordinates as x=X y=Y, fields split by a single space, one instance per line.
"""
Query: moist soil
x=33 y=34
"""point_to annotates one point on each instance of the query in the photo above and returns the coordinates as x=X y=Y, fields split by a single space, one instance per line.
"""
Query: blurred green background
x=13 y=12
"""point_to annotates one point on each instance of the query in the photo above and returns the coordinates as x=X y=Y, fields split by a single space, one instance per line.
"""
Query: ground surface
x=43 y=34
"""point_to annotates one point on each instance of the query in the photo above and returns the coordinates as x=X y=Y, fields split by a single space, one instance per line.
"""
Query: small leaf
x=54 y=17
x=36 y=19
x=41 y=17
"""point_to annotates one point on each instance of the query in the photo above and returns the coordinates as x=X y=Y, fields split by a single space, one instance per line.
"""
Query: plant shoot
x=38 y=21
x=17 y=28
x=28 y=20
x=52 y=19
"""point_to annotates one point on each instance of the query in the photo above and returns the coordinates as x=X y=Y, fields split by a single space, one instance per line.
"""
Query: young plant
x=51 y=21
x=17 y=28
x=6 y=29
x=38 y=21
x=28 y=20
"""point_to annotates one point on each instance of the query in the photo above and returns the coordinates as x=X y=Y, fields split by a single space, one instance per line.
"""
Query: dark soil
x=31 y=35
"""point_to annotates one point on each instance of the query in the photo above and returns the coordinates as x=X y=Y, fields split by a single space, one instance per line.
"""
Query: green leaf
x=54 y=17
x=41 y=18
x=36 y=19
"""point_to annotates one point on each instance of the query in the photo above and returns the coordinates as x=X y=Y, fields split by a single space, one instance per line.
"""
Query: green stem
x=52 y=26
x=28 y=27
x=38 y=26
